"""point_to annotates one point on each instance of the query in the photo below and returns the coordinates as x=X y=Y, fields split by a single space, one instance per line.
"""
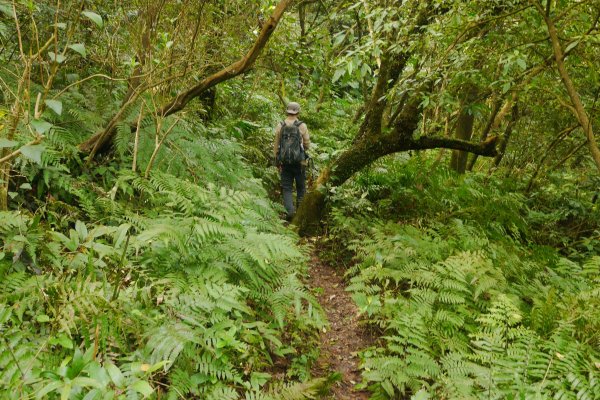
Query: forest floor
x=344 y=338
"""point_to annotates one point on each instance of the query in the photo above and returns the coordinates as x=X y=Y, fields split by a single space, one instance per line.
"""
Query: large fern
x=468 y=309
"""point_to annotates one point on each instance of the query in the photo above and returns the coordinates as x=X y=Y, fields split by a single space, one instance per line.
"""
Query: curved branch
x=237 y=68
x=578 y=107
x=486 y=148
x=363 y=153
x=101 y=139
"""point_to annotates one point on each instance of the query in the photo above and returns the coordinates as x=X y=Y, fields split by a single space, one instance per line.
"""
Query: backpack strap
x=297 y=124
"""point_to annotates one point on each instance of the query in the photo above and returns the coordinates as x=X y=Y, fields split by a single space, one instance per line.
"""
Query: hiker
x=291 y=143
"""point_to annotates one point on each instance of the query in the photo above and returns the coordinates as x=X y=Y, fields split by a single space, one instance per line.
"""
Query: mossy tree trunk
x=503 y=142
x=464 y=128
x=464 y=131
x=378 y=136
x=369 y=147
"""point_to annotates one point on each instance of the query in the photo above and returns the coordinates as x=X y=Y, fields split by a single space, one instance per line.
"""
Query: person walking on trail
x=291 y=143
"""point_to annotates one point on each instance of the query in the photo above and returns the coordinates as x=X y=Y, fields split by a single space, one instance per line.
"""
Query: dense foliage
x=465 y=280
x=141 y=249
x=184 y=280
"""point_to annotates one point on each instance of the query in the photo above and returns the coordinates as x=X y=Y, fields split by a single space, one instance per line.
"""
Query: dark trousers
x=289 y=174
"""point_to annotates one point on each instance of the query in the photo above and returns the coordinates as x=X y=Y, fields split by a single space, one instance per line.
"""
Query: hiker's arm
x=305 y=136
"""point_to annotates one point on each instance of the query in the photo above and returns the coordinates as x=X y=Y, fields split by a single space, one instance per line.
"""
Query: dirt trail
x=344 y=337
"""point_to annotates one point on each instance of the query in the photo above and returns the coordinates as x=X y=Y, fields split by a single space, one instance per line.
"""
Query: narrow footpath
x=344 y=338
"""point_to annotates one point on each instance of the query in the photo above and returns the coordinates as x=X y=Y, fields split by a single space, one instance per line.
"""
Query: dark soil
x=344 y=338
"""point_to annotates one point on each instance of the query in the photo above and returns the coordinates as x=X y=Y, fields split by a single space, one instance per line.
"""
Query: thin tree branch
x=579 y=109
x=231 y=71
x=178 y=103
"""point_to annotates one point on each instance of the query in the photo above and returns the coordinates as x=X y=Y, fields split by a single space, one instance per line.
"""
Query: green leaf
x=571 y=46
x=98 y=373
x=41 y=126
x=143 y=388
x=350 y=66
x=51 y=387
x=86 y=382
x=115 y=374
x=6 y=10
x=42 y=318
x=365 y=70
x=25 y=186
x=94 y=17
x=66 y=392
x=421 y=395
x=157 y=366
x=55 y=105
x=81 y=230
x=64 y=341
x=121 y=234
x=13 y=194
x=388 y=387
x=58 y=58
x=339 y=38
x=7 y=143
x=34 y=152
x=79 y=48
x=338 y=74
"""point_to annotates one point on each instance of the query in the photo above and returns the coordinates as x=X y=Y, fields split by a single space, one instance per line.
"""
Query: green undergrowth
x=184 y=284
x=478 y=291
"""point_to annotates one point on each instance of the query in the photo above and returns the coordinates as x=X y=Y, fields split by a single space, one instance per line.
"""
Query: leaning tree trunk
x=464 y=131
x=103 y=139
x=464 y=127
x=486 y=131
x=506 y=137
x=373 y=141
x=369 y=148
x=578 y=108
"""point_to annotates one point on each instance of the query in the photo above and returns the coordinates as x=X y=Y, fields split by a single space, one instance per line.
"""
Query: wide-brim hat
x=293 y=108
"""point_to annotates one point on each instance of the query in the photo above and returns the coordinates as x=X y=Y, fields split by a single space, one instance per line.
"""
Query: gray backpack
x=291 y=149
